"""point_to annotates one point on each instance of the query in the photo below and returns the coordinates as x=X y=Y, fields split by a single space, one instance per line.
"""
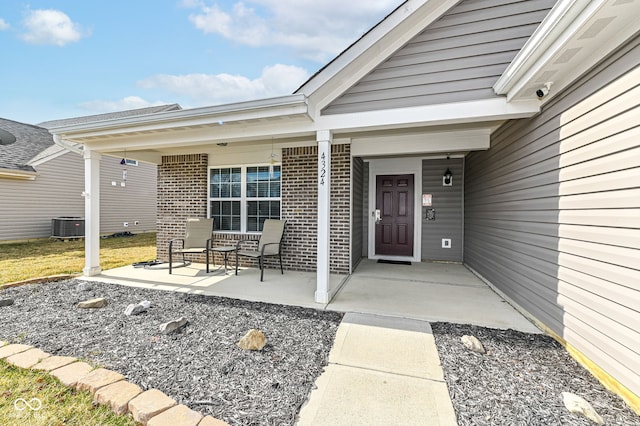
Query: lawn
x=50 y=403
x=46 y=257
x=42 y=258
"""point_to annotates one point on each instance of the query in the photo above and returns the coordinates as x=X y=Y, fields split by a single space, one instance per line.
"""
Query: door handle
x=377 y=216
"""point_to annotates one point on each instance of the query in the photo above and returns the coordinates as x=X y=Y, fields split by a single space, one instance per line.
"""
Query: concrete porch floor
x=422 y=291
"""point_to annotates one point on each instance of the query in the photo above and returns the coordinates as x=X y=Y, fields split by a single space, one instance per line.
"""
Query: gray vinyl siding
x=27 y=207
x=457 y=58
x=447 y=202
x=552 y=214
x=357 y=207
x=365 y=209
x=137 y=201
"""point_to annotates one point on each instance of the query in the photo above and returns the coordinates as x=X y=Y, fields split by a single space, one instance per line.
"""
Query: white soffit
x=574 y=37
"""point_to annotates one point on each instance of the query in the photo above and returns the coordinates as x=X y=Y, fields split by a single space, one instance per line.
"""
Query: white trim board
x=424 y=143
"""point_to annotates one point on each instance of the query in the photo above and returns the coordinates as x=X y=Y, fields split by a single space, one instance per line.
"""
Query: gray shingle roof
x=35 y=142
x=108 y=116
x=30 y=141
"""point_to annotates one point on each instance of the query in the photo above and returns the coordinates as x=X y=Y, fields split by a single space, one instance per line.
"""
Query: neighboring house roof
x=29 y=141
x=34 y=144
x=109 y=116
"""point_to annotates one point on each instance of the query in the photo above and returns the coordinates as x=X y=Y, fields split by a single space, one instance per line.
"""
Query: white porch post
x=323 y=138
x=91 y=213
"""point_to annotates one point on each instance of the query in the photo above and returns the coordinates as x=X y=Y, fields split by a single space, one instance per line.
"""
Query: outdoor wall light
x=447 y=178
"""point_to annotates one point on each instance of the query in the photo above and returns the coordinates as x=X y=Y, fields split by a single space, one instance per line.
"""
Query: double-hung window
x=241 y=198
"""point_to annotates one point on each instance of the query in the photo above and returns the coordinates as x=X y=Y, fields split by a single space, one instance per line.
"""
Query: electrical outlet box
x=126 y=224
x=446 y=243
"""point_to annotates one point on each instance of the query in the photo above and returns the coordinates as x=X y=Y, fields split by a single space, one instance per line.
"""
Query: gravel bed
x=200 y=365
x=519 y=380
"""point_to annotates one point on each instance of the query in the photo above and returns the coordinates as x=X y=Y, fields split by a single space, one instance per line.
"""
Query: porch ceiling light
x=447 y=178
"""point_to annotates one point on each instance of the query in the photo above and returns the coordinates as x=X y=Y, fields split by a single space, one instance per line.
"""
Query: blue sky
x=67 y=58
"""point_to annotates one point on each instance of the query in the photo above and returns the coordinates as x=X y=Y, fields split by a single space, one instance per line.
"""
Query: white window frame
x=243 y=195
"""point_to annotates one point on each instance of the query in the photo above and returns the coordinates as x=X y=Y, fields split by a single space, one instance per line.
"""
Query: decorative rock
x=148 y=404
x=117 y=396
x=99 y=302
x=27 y=358
x=134 y=309
x=84 y=286
x=6 y=302
x=98 y=378
x=579 y=405
x=171 y=326
x=254 y=340
x=473 y=344
x=180 y=415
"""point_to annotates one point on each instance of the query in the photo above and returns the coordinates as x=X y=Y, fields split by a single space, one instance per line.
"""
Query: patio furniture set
x=199 y=237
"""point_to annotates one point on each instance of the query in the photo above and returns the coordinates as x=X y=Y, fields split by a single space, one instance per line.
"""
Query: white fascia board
x=494 y=109
x=207 y=134
x=488 y=110
x=563 y=22
x=409 y=20
x=252 y=110
x=49 y=157
x=423 y=143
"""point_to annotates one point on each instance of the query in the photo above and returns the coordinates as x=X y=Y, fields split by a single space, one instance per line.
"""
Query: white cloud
x=4 y=25
x=313 y=28
x=210 y=89
x=48 y=26
x=130 y=102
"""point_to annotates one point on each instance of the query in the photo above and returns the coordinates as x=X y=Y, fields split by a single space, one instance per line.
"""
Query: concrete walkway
x=382 y=371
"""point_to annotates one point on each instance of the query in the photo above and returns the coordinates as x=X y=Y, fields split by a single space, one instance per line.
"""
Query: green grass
x=60 y=405
x=40 y=258
x=46 y=257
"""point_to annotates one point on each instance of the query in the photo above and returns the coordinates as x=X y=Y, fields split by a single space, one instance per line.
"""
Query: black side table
x=225 y=250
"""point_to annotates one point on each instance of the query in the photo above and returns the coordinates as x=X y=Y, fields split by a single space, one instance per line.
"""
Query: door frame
x=396 y=166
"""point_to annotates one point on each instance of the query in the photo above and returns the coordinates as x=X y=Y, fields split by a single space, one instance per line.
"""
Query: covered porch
x=447 y=292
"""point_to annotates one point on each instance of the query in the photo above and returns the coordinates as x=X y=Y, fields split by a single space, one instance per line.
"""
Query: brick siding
x=182 y=193
x=300 y=207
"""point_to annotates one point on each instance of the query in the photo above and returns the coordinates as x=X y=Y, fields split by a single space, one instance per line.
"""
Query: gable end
x=457 y=58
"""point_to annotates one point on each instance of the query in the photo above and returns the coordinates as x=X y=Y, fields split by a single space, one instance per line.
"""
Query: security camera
x=543 y=91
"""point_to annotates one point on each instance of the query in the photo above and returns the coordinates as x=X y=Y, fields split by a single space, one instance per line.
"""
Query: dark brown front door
x=394 y=230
